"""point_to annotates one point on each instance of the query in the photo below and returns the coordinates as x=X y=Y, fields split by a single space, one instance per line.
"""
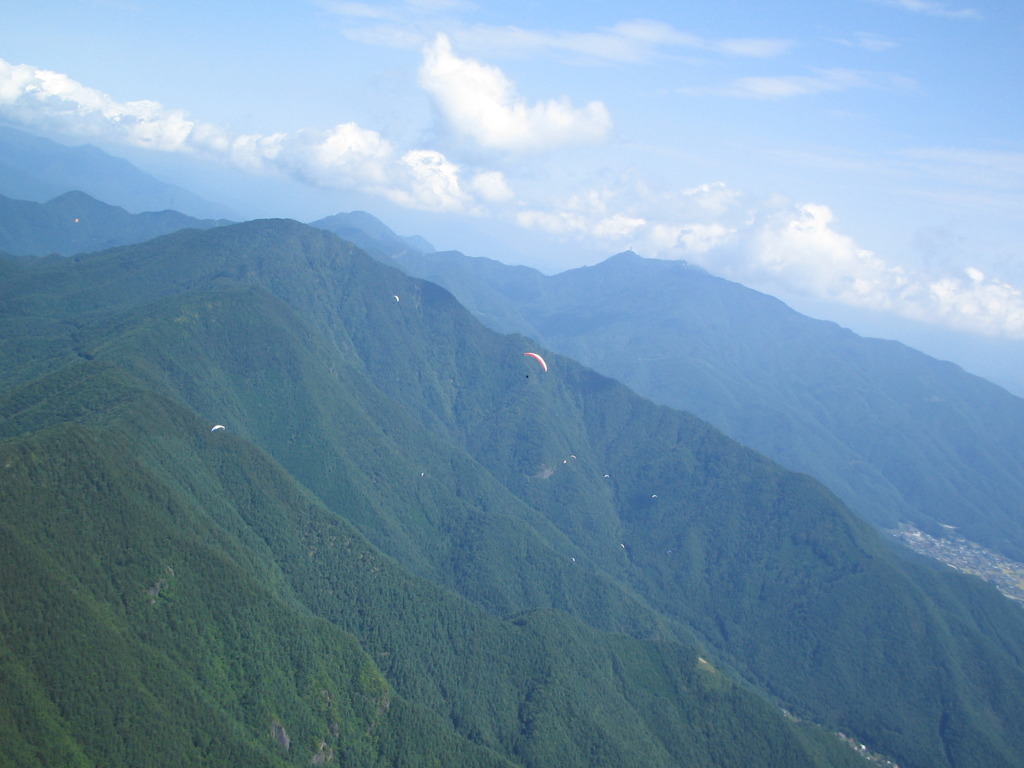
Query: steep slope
x=562 y=493
x=144 y=620
x=75 y=223
x=899 y=436
x=175 y=597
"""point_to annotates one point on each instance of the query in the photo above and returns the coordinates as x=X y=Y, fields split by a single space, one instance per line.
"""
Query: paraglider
x=538 y=358
x=216 y=427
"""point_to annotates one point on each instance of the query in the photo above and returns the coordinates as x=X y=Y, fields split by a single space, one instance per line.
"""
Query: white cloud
x=775 y=246
x=617 y=226
x=350 y=152
x=691 y=239
x=399 y=24
x=53 y=101
x=628 y=41
x=716 y=198
x=779 y=247
x=822 y=81
x=931 y=8
x=253 y=152
x=801 y=251
x=346 y=156
x=869 y=42
x=434 y=183
x=492 y=186
x=671 y=225
x=586 y=214
x=655 y=34
x=976 y=303
x=556 y=223
x=480 y=102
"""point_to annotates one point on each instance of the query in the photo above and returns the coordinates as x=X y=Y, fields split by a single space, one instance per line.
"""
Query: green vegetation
x=899 y=436
x=74 y=223
x=409 y=547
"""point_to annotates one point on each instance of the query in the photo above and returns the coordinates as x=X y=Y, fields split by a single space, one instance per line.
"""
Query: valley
x=967 y=557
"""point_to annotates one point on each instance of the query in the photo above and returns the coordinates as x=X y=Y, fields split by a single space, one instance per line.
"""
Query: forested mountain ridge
x=554 y=520
x=899 y=436
x=222 y=591
x=74 y=223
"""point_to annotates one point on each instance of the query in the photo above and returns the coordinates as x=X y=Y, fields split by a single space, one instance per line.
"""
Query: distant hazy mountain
x=75 y=222
x=898 y=435
x=371 y=234
x=38 y=169
x=412 y=546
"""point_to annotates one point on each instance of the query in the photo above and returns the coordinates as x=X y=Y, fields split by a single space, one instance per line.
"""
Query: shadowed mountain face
x=411 y=544
x=899 y=436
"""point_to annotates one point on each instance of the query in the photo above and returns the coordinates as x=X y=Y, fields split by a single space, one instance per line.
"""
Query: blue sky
x=849 y=156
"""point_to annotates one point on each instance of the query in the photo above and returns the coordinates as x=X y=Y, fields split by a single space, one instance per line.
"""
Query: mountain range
x=75 y=222
x=38 y=169
x=901 y=437
x=268 y=500
x=408 y=528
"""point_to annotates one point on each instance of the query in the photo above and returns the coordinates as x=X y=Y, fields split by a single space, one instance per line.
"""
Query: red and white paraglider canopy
x=538 y=358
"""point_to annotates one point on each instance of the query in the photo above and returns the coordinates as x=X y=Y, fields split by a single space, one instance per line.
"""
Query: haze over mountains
x=37 y=169
x=412 y=546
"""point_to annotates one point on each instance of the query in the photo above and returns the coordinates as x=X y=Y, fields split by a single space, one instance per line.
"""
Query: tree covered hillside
x=74 y=222
x=899 y=436
x=412 y=546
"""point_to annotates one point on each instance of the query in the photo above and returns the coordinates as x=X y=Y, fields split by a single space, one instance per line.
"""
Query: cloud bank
x=770 y=244
x=781 y=248
x=346 y=156
x=480 y=102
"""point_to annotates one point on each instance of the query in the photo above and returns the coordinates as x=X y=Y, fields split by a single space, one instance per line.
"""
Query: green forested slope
x=899 y=436
x=145 y=621
x=74 y=222
x=534 y=560
x=172 y=597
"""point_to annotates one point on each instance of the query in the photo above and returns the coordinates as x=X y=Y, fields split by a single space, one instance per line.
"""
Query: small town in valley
x=1007 y=575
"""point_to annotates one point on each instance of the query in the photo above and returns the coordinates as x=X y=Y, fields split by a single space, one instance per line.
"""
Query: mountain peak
x=632 y=258
x=367 y=231
x=625 y=256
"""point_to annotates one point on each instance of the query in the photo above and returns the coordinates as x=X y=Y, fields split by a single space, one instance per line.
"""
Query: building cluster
x=1007 y=575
